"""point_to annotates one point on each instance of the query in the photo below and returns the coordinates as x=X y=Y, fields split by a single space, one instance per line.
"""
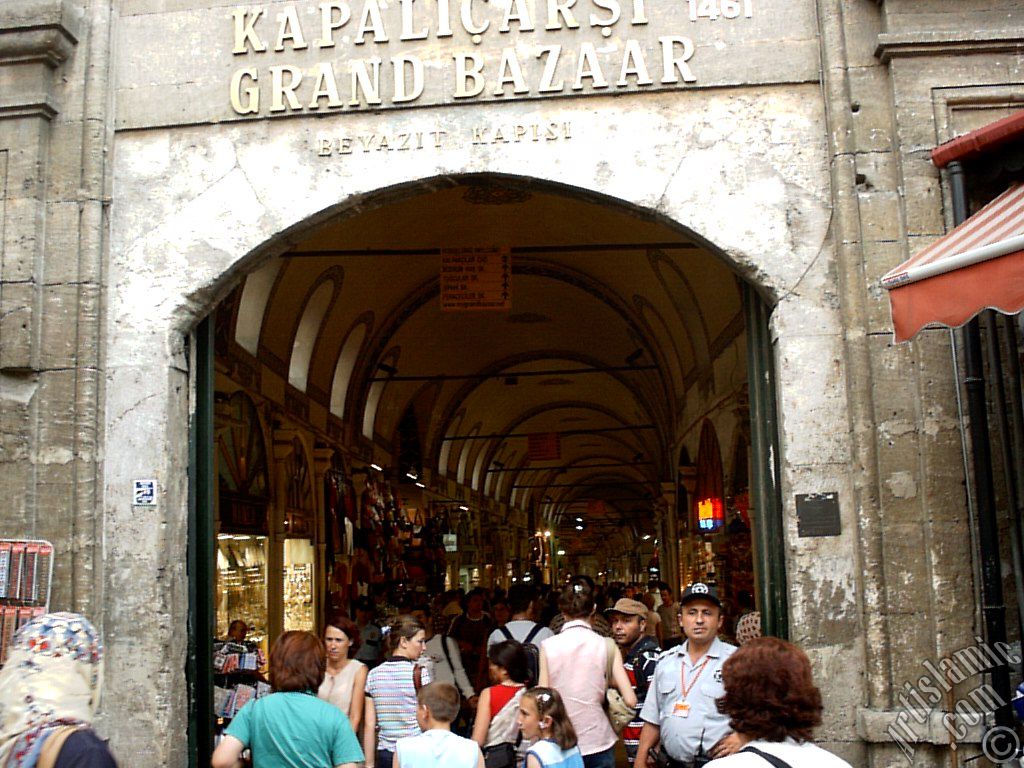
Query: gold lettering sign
x=341 y=55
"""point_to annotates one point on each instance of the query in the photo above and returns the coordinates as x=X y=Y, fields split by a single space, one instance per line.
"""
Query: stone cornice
x=37 y=31
x=893 y=45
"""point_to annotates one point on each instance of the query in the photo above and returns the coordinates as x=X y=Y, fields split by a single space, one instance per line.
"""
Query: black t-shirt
x=84 y=749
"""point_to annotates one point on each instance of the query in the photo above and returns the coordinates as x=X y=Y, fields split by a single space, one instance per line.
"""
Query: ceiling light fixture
x=646 y=536
x=560 y=552
x=412 y=475
x=378 y=467
x=463 y=507
x=420 y=485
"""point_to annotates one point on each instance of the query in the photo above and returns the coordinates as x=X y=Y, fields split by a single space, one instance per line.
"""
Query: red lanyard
x=696 y=677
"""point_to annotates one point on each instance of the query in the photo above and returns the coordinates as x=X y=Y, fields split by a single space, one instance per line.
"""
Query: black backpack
x=532 y=651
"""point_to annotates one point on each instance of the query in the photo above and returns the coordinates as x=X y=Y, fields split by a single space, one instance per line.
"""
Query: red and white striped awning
x=979 y=265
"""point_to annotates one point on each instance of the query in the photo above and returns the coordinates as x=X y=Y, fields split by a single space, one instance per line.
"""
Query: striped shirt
x=550 y=755
x=393 y=690
x=640 y=663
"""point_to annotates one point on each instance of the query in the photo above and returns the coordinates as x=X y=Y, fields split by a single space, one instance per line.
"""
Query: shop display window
x=242 y=585
x=298 y=585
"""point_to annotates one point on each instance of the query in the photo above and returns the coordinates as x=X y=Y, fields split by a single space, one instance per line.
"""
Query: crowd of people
x=556 y=680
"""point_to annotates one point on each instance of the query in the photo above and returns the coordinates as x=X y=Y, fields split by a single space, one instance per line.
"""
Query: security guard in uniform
x=681 y=710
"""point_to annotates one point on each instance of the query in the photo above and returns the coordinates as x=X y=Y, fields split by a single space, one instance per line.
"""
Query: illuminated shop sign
x=709 y=514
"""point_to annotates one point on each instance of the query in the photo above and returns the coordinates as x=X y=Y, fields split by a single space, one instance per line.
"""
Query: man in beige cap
x=640 y=653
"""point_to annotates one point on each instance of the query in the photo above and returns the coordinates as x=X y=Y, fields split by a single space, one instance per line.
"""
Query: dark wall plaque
x=817 y=514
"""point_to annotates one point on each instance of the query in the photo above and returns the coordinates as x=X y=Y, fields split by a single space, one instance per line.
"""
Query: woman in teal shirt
x=291 y=728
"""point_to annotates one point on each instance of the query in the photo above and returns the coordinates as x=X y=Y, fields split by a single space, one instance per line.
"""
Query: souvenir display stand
x=26 y=571
x=241 y=594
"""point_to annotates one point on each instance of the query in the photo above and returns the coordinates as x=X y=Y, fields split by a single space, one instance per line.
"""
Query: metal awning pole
x=993 y=610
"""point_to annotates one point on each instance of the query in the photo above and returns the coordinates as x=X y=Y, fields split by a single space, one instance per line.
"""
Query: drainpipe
x=993 y=610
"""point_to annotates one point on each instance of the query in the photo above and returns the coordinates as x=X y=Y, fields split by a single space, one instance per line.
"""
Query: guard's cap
x=700 y=591
x=628 y=607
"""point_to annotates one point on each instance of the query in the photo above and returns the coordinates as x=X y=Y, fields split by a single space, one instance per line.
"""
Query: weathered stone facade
x=131 y=198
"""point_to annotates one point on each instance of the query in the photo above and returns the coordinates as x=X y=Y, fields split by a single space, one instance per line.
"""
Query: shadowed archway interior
x=624 y=334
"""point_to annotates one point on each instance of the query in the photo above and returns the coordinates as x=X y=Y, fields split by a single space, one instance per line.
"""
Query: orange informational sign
x=544 y=446
x=476 y=280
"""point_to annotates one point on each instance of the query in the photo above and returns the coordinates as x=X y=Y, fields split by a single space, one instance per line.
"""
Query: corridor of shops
x=479 y=382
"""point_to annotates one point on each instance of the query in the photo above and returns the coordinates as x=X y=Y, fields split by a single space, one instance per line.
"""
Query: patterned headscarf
x=51 y=678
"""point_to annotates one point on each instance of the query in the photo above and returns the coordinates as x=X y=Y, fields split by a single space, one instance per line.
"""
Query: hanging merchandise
x=417 y=529
x=404 y=526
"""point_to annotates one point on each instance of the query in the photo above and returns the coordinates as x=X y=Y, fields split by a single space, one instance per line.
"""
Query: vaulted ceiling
x=616 y=321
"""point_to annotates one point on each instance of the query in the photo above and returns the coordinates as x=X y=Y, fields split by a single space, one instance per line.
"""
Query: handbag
x=619 y=715
x=500 y=755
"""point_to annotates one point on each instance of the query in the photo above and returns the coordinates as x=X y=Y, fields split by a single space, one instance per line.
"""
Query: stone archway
x=197 y=208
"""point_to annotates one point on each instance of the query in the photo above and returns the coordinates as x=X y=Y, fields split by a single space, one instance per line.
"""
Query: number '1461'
x=726 y=9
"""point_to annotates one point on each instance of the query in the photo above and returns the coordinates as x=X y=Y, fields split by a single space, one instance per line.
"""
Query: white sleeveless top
x=337 y=689
x=577 y=663
x=437 y=749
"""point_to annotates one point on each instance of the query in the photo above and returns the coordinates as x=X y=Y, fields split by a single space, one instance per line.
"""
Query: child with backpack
x=496 y=729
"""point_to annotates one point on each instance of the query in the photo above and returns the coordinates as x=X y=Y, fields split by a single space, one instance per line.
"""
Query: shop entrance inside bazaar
x=475 y=382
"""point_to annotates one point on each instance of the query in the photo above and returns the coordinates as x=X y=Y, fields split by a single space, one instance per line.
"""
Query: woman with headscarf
x=49 y=691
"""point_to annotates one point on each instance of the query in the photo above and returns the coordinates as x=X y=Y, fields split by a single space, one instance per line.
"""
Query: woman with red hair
x=774 y=706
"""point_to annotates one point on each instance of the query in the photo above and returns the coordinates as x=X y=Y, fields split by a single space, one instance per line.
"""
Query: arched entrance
x=212 y=209
x=538 y=438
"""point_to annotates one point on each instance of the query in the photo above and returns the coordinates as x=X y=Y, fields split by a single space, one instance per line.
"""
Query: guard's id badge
x=681 y=709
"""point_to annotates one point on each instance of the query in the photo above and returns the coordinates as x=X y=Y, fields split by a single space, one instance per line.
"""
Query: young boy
x=437 y=747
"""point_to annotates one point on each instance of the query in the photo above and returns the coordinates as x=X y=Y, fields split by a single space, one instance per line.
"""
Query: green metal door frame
x=201 y=629
x=769 y=529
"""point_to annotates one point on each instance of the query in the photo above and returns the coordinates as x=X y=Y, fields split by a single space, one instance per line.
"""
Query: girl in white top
x=345 y=680
x=575 y=663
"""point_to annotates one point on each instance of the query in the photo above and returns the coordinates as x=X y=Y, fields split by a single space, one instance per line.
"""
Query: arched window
x=242 y=475
x=343 y=370
x=307 y=333
x=253 y=304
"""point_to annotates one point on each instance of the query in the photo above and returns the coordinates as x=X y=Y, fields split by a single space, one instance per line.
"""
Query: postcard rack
x=26 y=572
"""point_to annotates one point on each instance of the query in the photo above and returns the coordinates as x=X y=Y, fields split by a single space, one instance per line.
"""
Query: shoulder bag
x=619 y=715
x=54 y=744
x=778 y=762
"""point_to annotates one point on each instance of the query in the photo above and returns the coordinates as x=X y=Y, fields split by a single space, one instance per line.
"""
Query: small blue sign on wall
x=144 y=493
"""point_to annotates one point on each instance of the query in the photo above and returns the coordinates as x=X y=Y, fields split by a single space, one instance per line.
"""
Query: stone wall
x=53 y=203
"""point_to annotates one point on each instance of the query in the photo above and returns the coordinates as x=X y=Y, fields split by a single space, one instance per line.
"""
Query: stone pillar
x=53 y=196
x=670 y=517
